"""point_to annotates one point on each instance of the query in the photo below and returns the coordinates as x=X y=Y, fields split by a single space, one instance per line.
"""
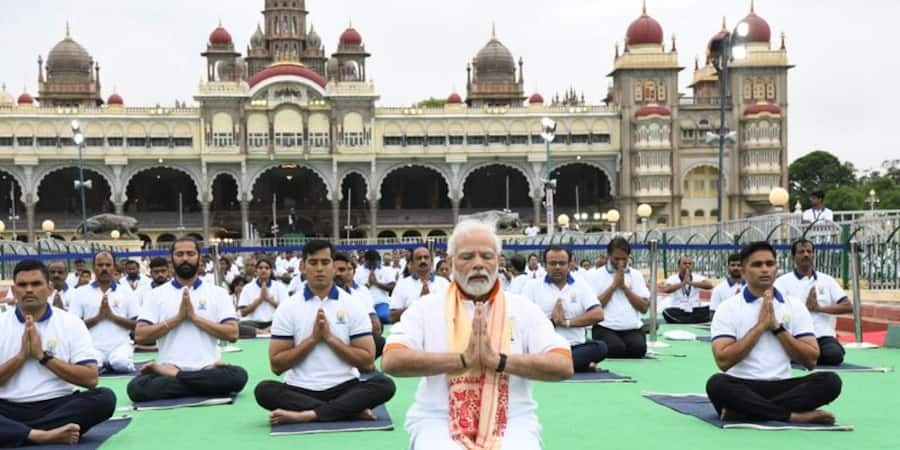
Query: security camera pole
x=81 y=185
x=548 y=133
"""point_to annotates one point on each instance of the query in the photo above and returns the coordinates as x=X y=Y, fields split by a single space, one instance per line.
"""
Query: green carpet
x=574 y=416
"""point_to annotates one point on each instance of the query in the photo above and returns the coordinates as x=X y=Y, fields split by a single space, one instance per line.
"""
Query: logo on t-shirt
x=51 y=347
x=202 y=305
x=341 y=317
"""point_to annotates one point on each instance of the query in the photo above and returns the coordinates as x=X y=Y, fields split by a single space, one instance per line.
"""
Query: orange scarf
x=479 y=398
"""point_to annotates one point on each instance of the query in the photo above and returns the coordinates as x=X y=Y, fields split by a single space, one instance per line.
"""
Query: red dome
x=220 y=36
x=454 y=99
x=759 y=28
x=536 y=99
x=653 y=110
x=763 y=108
x=351 y=37
x=25 y=99
x=287 y=69
x=644 y=30
x=115 y=99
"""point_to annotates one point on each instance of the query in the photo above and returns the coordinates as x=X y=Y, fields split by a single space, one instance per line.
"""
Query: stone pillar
x=373 y=219
x=454 y=203
x=335 y=218
x=537 y=199
x=204 y=207
x=245 y=218
x=119 y=208
x=29 y=220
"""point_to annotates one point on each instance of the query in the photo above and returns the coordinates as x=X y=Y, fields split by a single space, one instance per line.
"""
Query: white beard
x=475 y=288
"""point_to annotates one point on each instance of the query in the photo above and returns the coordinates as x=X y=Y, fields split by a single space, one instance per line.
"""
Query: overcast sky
x=841 y=92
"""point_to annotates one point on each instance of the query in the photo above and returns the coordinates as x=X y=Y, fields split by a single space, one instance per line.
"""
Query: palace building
x=284 y=133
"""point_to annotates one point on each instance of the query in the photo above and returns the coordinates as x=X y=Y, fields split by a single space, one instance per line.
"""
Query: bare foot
x=367 y=414
x=593 y=367
x=66 y=434
x=264 y=331
x=161 y=369
x=817 y=416
x=283 y=416
x=731 y=415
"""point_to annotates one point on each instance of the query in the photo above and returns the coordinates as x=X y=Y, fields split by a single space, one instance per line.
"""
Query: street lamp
x=723 y=48
x=548 y=133
x=872 y=199
x=798 y=208
x=644 y=212
x=563 y=222
x=115 y=235
x=13 y=217
x=2 y=227
x=48 y=227
x=779 y=197
x=81 y=185
x=612 y=216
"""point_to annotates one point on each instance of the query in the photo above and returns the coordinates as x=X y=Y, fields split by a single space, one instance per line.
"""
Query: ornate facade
x=285 y=135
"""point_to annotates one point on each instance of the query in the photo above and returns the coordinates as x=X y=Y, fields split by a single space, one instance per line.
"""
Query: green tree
x=845 y=198
x=432 y=103
x=819 y=170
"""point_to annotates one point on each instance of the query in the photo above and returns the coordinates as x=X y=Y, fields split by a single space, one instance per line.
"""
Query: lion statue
x=502 y=219
x=101 y=225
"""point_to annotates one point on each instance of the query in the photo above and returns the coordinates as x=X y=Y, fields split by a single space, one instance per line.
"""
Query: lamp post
x=872 y=199
x=13 y=217
x=644 y=212
x=612 y=216
x=548 y=133
x=48 y=227
x=349 y=227
x=778 y=198
x=723 y=48
x=115 y=235
x=81 y=185
x=563 y=222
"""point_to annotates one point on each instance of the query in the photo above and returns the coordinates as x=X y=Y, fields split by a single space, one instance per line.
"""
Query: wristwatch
x=779 y=330
x=46 y=358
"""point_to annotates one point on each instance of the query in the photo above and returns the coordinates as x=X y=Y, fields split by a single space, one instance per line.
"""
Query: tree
x=819 y=170
x=845 y=198
x=432 y=103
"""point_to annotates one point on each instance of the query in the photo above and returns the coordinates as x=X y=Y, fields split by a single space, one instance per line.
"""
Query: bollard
x=855 y=263
x=214 y=251
x=653 y=245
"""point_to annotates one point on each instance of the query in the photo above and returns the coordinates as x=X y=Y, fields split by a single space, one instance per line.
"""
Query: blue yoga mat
x=113 y=375
x=844 y=367
x=600 y=376
x=704 y=338
x=382 y=423
x=184 y=402
x=93 y=438
x=698 y=405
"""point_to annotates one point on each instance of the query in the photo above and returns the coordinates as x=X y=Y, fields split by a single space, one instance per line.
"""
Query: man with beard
x=61 y=296
x=133 y=280
x=756 y=334
x=109 y=311
x=259 y=300
x=320 y=340
x=187 y=317
x=823 y=296
x=418 y=284
x=571 y=306
x=44 y=354
x=344 y=271
x=476 y=348
x=730 y=287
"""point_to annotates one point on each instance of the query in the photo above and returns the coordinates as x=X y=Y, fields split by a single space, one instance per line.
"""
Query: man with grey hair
x=477 y=348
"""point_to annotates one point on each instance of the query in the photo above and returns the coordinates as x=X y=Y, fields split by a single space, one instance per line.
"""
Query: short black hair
x=370 y=255
x=754 y=247
x=798 y=243
x=618 y=243
x=443 y=261
x=235 y=282
x=27 y=265
x=159 y=261
x=190 y=239
x=584 y=261
x=518 y=262
x=533 y=254
x=341 y=256
x=557 y=248
x=129 y=262
x=734 y=257
x=418 y=246
x=316 y=245
x=79 y=261
x=85 y=271
x=818 y=193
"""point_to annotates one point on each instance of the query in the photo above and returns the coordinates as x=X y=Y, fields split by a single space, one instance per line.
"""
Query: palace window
x=393 y=141
x=258 y=140
x=437 y=141
x=115 y=141
x=600 y=138
x=93 y=142
x=47 y=141
x=457 y=140
x=6 y=141
x=518 y=140
x=288 y=140
x=580 y=138
x=182 y=142
x=319 y=140
x=159 y=142
x=355 y=139
x=497 y=140
x=219 y=140
x=25 y=141
x=476 y=140
x=415 y=140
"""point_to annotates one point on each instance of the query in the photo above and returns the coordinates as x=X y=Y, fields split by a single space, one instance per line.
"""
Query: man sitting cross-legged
x=571 y=305
x=187 y=317
x=45 y=353
x=756 y=334
x=321 y=339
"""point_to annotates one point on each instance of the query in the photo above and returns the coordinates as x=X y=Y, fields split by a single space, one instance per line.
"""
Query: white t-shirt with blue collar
x=384 y=275
x=724 y=291
x=264 y=311
x=107 y=335
x=577 y=298
x=186 y=346
x=409 y=289
x=768 y=360
x=688 y=297
x=62 y=335
x=347 y=320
